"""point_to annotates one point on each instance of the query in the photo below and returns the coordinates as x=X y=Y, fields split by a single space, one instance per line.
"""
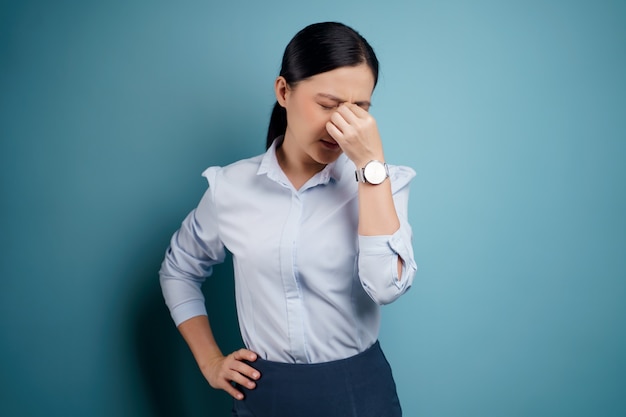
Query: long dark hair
x=319 y=48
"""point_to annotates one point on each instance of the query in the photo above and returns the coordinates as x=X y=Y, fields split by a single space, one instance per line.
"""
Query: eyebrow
x=338 y=100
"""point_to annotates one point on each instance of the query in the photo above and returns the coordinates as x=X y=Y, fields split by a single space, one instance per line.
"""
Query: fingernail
x=255 y=375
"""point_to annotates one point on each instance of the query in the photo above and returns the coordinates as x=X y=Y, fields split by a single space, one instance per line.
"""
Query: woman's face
x=310 y=104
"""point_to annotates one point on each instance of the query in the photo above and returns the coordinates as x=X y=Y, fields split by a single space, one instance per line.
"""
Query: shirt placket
x=290 y=279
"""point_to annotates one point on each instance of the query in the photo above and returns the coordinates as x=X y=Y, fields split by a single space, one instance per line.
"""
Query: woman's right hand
x=223 y=370
x=219 y=370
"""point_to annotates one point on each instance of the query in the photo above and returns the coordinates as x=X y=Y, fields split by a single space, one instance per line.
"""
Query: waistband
x=362 y=357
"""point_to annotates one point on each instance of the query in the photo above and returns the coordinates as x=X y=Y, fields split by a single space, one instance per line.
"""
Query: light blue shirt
x=308 y=288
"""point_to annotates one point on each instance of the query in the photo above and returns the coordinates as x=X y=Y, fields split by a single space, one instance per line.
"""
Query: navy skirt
x=359 y=386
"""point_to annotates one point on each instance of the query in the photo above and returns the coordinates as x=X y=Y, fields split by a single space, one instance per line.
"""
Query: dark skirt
x=359 y=386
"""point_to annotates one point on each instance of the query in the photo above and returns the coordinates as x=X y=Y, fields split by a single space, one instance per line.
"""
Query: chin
x=326 y=159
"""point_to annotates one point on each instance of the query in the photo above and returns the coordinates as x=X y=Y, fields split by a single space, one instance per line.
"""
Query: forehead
x=348 y=83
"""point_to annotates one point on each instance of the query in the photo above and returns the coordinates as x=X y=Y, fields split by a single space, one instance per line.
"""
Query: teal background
x=513 y=114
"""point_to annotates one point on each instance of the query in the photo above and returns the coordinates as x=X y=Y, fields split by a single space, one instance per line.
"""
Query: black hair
x=319 y=48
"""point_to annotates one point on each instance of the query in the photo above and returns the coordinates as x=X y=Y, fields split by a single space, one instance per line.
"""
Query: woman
x=317 y=227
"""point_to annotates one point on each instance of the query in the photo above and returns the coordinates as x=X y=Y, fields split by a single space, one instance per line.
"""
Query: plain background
x=513 y=114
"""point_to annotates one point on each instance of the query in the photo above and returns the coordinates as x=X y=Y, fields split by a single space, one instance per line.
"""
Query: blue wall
x=513 y=114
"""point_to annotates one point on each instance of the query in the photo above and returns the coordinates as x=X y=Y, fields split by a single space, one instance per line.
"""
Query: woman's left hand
x=356 y=132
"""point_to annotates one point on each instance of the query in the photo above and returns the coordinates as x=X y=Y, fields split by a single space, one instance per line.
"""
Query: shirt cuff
x=385 y=245
x=187 y=310
x=378 y=266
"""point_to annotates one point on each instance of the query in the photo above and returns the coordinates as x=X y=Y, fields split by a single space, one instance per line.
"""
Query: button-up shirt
x=308 y=287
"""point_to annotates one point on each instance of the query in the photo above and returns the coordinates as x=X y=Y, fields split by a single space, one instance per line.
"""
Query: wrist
x=373 y=172
x=208 y=362
x=361 y=162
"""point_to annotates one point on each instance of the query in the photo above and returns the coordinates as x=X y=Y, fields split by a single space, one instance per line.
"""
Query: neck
x=298 y=168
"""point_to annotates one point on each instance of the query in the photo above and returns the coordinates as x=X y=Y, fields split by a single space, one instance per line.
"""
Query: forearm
x=377 y=212
x=199 y=337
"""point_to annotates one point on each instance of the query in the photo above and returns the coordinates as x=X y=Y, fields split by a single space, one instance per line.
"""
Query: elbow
x=387 y=294
x=389 y=290
x=383 y=297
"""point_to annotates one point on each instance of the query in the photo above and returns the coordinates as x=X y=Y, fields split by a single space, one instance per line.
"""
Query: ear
x=281 y=89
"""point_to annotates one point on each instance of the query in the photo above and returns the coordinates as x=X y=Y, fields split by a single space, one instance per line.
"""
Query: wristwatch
x=374 y=172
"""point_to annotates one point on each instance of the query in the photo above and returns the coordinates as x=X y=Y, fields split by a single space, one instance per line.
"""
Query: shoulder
x=235 y=172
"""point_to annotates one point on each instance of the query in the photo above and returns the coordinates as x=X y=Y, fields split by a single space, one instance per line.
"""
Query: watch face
x=375 y=172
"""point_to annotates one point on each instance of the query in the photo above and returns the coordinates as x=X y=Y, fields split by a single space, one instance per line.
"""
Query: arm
x=384 y=232
x=193 y=251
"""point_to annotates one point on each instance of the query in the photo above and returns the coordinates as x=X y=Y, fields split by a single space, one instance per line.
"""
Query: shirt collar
x=269 y=165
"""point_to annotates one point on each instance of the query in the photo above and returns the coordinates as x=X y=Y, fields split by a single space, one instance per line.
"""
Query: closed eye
x=328 y=107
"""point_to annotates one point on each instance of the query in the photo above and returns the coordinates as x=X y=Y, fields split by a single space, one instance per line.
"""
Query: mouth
x=330 y=144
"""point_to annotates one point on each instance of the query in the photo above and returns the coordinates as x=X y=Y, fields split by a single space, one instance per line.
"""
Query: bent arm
x=386 y=262
x=193 y=251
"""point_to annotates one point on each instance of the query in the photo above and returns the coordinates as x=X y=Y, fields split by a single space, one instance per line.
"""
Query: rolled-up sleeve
x=378 y=255
x=189 y=259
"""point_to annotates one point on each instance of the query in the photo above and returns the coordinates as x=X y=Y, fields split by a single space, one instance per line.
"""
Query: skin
x=327 y=114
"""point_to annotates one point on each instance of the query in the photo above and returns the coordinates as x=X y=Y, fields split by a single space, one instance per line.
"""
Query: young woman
x=317 y=227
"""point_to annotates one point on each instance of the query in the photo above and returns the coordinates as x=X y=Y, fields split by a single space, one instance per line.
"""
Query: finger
x=232 y=391
x=359 y=119
x=341 y=122
x=347 y=112
x=244 y=354
x=334 y=132
x=240 y=379
x=245 y=369
x=358 y=111
x=235 y=363
x=352 y=113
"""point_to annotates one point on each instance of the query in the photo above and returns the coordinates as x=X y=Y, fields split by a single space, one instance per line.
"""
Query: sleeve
x=189 y=259
x=378 y=255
